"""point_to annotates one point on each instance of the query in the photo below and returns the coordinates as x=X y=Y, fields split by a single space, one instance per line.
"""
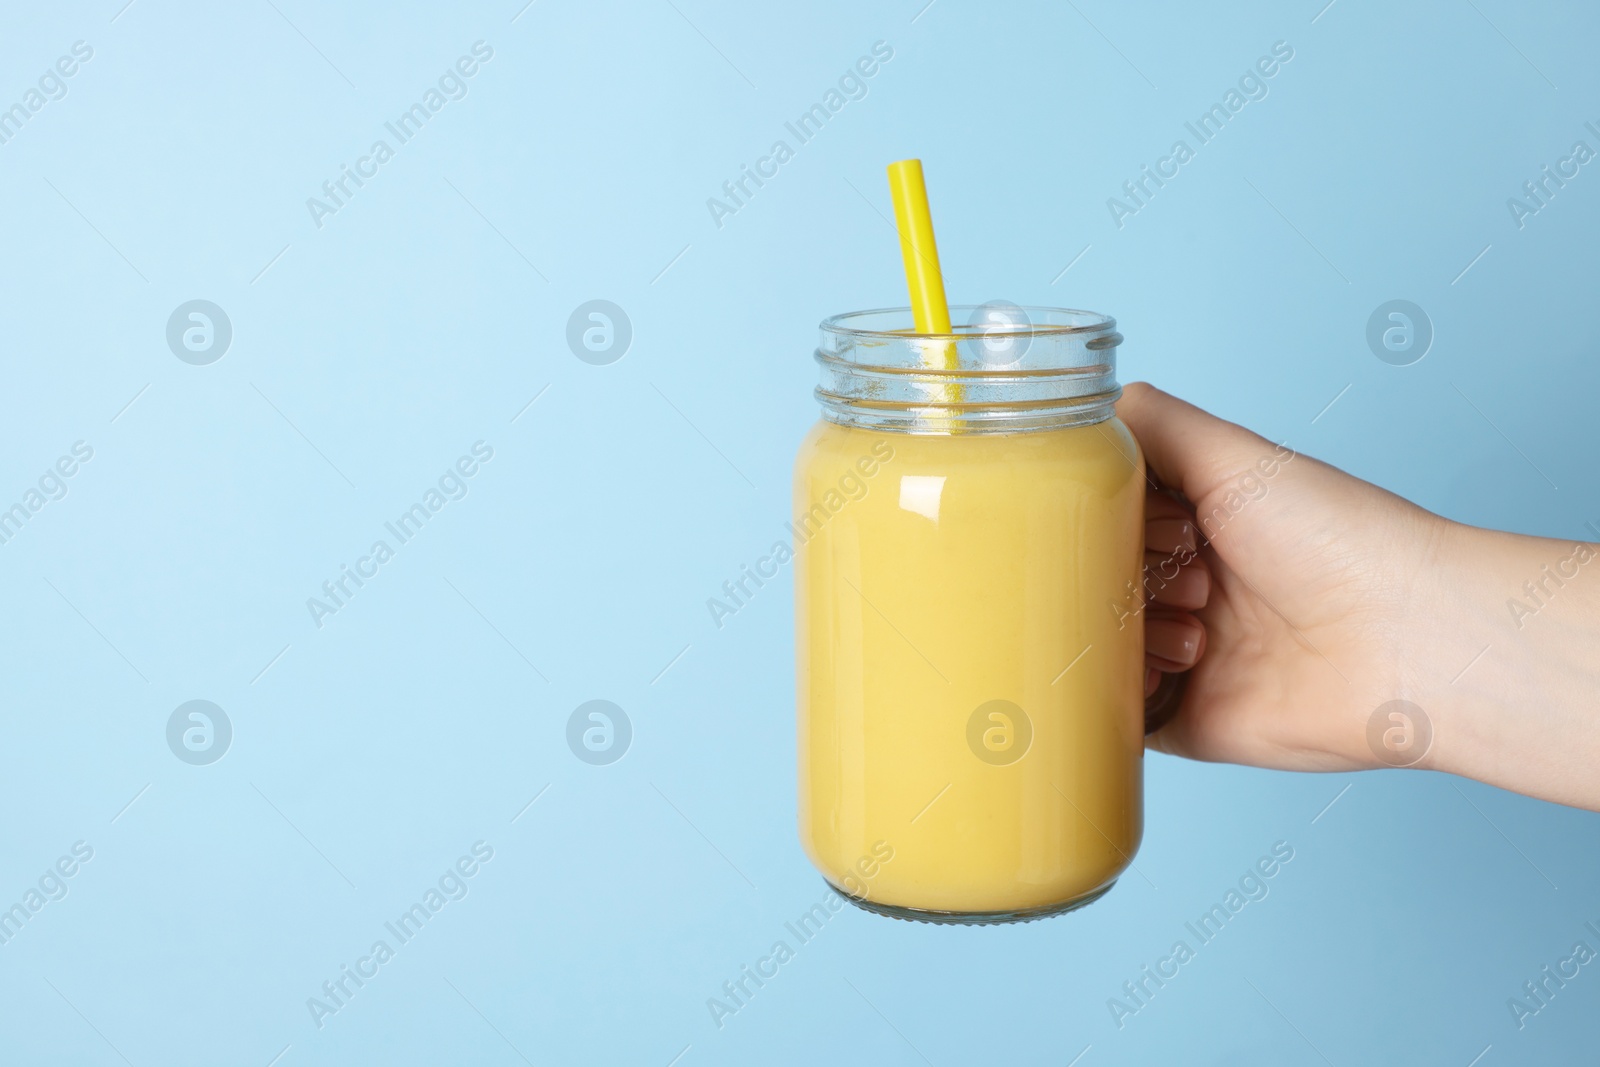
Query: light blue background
x=375 y=350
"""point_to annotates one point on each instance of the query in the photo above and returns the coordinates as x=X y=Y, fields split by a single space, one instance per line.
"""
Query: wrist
x=1507 y=672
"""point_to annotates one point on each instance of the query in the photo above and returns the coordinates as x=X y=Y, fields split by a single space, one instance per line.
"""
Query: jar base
x=974 y=918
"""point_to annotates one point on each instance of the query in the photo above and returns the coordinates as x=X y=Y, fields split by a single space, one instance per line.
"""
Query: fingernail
x=1189 y=588
x=1173 y=640
x=1169 y=535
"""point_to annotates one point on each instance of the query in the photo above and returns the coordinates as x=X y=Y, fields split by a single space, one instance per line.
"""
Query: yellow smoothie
x=970 y=664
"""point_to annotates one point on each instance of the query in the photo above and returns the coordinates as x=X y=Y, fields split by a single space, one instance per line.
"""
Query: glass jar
x=970 y=651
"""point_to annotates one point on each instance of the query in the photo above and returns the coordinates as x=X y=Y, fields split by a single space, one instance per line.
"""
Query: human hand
x=1301 y=600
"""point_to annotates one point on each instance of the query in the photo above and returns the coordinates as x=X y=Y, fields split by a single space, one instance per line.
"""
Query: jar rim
x=1090 y=322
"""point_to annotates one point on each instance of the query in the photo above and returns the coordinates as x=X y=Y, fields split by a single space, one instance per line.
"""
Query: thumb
x=1189 y=449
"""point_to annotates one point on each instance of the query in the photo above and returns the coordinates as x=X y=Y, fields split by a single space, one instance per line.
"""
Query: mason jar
x=969 y=641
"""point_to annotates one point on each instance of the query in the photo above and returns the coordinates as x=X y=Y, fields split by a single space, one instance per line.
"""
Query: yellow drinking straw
x=929 y=311
x=920 y=254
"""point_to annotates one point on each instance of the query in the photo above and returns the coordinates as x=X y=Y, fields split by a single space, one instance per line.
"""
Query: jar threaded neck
x=1009 y=370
